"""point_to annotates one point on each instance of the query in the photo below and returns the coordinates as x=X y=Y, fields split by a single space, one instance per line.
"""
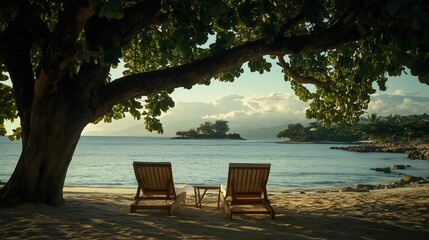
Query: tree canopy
x=341 y=47
x=58 y=55
x=218 y=129
x=378 y=129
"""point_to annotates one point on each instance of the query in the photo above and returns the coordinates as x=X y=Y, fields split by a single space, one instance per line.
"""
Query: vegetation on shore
x=209 y=130
x=377 y=129
x=397 y=134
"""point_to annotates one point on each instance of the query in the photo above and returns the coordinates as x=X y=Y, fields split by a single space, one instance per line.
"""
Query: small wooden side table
x=199 y=197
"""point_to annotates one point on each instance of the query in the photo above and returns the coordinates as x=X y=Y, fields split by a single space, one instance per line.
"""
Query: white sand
x=97 y=213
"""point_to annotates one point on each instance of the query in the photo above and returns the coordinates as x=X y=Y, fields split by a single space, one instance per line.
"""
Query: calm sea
x=107 y=162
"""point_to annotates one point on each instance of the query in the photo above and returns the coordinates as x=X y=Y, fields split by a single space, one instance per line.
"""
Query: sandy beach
x=97 y=213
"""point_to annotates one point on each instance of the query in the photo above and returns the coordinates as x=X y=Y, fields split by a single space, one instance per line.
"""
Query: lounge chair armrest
x=223 y=190
x=180 y=189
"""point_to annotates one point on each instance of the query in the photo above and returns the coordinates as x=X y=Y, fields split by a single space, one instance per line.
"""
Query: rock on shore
x=412 y=150
x=403 y=182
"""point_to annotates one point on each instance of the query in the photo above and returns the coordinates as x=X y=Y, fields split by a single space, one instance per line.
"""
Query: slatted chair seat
x=247 y=185
x=155 y=182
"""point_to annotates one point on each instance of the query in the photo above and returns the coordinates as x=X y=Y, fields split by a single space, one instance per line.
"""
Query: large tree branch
x=288 y=27
x=190 y=74
x=61 y=49
x=345 y=20
x=301 y=79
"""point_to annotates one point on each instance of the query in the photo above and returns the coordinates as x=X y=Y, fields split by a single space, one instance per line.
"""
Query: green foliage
x=217 y=8
x=16 y=135
x=377 y=129
x=7 y=106
x=112 y=55
x=111 y=9
x=295 y=132
x=229 y=76
x=315 y=131
x=191 y=133
x=156 y=103
x=352 y=68
x=218 y=129
x=206 y=128
x=261 y=65
x=395 y=128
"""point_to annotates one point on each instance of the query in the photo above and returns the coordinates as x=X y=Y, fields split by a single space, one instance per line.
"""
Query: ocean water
x=107 y=162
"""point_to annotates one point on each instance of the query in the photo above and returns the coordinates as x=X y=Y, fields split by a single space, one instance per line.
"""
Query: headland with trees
x=393 y=133
x=209 y=130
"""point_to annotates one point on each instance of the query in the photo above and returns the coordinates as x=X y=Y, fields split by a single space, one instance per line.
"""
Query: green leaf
x=361 y=29
x=424 y=78
x=270 y=33
x=16 y=135
x=112 y=55
x=217 y=8
x=2 y=130
x=312 y=10
x=404 y=59
x=419 y=66
x=112 y=9
x=179 y=35
x=420 y=18
x=395 y=7
x=349 y=17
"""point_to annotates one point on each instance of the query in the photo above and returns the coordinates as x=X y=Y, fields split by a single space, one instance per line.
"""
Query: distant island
x=209 y=130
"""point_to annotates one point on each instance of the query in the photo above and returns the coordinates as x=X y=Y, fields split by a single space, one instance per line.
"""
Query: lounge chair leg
x=270 y=210
x=132 y=208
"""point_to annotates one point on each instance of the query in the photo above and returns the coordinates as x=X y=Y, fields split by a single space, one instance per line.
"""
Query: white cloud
x=386 y=104
x=270 y=110
x=259 y=111
x=238 y=107
x=404 y=93
x=232 y=99
x=275 y=103
x=399 y=93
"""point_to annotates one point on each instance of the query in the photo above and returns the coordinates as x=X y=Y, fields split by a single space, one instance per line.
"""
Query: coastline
x=412 y=150
x=419 y=151
x=103 y=213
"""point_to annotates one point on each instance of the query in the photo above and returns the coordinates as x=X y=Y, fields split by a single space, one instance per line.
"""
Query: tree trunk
x=47 y=151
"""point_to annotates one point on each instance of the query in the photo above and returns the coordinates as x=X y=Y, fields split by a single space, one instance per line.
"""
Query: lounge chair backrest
x=247 y=178
x=155 y=178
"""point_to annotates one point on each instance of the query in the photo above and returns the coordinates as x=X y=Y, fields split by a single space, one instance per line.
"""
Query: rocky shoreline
x=403 y=182
x=412 y=150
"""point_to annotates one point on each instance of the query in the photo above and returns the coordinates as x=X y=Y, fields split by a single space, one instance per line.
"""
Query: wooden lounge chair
x=155 y=183
x=247 y=185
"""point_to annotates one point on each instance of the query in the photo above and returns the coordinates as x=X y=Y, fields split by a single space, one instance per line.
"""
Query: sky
x=259 y=101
